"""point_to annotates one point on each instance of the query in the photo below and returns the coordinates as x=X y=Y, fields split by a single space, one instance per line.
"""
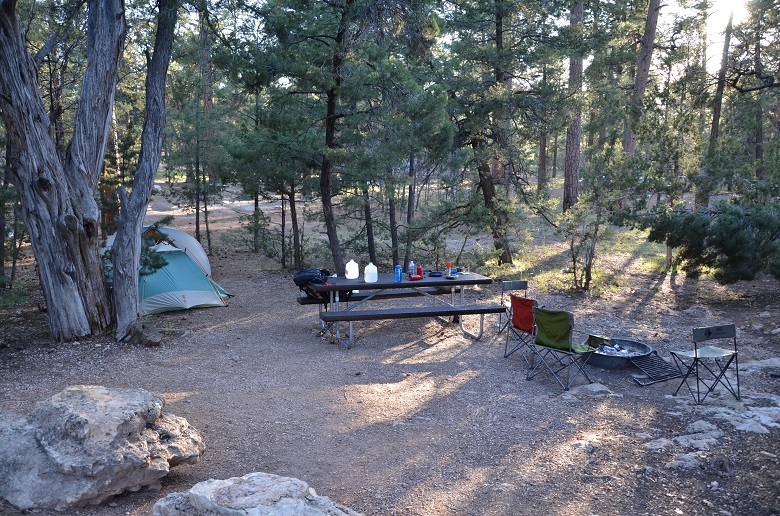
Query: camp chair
x=521 y=327
x=708 y=364
x=510 y=286
x=553 y=348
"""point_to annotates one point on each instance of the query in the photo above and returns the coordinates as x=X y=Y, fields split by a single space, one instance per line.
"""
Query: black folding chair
x=708 y=365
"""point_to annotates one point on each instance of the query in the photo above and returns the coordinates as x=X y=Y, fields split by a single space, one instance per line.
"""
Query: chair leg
x=506 y=344
x=519 y=344
x=698 y=367
x=503 y=325
x=565 y=361
x=534 y=363
x=721 y=378
x=554 y=371
x=579 y=362
x=689 y=368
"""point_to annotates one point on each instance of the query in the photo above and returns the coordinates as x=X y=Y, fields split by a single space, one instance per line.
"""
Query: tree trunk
x=555 y=156
x=642 y=74
x=207 y=136
x=541 y=183
x=759 y=135
x=296 y=233
x=57 y=67
x=256 y=222
x=326 y=171
x=391 y=208
x=494 y=160
x=16 y=242
x=207 y=93
x=198 y=186
x=571 y=167
x=283 y=231
x=412 y=199
x=57 y=197
x=774 y=120
x=331 y=117
x=206 y=213
x=5 y=201
x=590 y=252
x=704 y=181
x=592 y=134
x=127 y=244
x=369 y=226
x=115 y=142
x=500 y=220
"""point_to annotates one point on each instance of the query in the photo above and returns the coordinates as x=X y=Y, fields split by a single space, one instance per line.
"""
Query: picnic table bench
x=393 y=294
x=387 y=288
x=411 y=312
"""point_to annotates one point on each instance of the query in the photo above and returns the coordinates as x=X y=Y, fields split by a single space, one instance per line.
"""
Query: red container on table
x=419 y=270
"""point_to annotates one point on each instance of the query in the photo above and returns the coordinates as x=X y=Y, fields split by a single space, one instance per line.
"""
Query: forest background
x=402 y=129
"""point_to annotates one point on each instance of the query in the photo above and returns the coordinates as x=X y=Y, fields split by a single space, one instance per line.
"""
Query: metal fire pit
x=618 y=353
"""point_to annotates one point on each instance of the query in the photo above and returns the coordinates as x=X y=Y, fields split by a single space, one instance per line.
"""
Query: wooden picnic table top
x=387 y=281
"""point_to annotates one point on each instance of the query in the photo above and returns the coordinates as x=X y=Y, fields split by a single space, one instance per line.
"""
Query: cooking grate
x=656 y=368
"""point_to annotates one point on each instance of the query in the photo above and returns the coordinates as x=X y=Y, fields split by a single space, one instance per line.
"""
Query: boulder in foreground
x=89 y=443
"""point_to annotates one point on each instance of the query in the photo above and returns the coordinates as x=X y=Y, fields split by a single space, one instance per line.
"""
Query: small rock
x=255 y=493
x=701 y=426
x=658 y=444
x=684 y=461
x=723 y=465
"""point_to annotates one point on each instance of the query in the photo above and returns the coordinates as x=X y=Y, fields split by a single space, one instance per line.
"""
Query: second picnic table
x=434 y=287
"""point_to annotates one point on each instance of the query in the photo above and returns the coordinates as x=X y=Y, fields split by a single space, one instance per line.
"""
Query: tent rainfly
x=185 y=282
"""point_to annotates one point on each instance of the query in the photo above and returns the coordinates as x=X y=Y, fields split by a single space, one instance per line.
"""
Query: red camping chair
x=521 y=327
x=506 y=288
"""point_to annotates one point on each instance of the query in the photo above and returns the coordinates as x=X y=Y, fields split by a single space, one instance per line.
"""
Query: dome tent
x=185 y=282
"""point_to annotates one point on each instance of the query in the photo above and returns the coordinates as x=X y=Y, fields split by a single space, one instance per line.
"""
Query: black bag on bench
x=303 y=279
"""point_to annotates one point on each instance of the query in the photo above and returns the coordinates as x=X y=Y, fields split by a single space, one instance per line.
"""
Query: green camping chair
x=553 y=348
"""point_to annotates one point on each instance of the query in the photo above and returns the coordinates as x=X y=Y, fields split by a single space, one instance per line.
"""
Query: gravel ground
x=416 y=419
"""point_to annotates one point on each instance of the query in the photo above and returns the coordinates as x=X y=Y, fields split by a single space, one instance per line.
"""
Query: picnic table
x=446 y=295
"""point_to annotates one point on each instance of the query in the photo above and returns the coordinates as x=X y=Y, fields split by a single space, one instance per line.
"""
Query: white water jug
x=353 y=271
x=371 y=275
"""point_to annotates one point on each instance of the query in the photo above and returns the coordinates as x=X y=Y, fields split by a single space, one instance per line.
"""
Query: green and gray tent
x=185 y=282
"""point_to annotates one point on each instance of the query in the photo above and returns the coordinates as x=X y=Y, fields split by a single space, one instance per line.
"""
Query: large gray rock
x=89 y=443
x=254 y=494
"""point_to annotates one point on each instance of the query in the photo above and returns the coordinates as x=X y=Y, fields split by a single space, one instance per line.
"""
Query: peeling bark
x=58 y=195
x=127 y=244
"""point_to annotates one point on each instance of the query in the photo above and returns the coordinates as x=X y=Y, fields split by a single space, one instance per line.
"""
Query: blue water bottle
x=398 y=274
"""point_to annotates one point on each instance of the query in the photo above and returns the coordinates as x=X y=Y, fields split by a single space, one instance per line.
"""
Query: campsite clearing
x=418 y=420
